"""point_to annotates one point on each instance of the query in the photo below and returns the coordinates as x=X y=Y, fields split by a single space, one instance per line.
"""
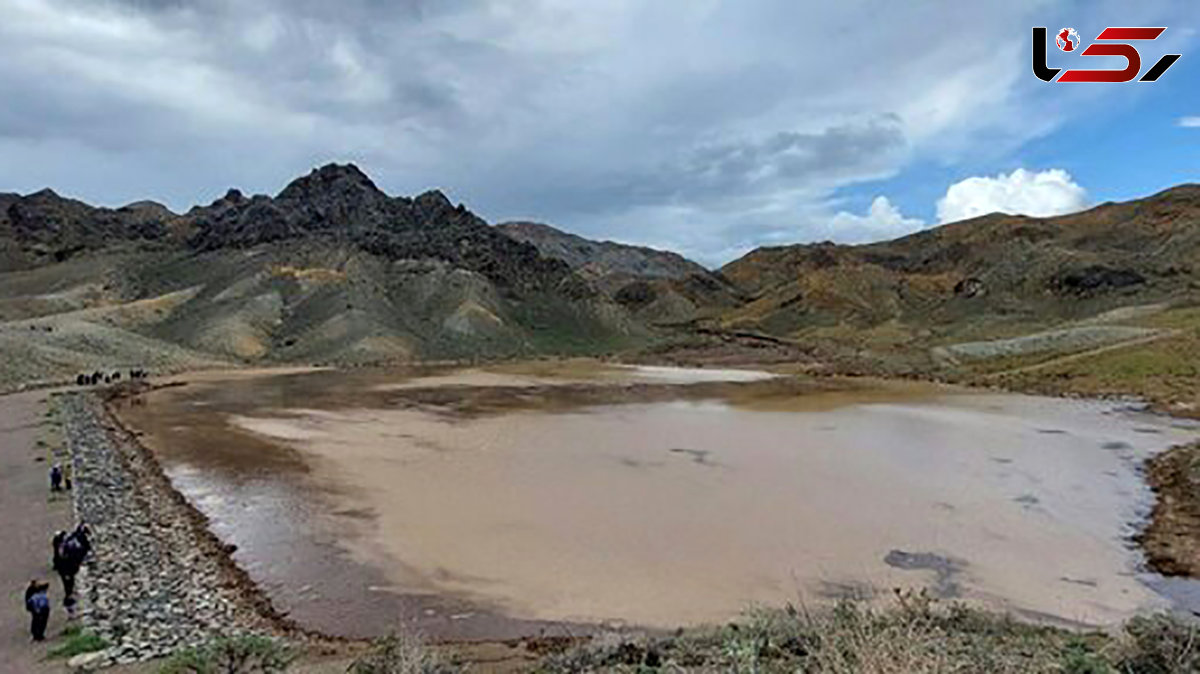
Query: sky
x=705 y=127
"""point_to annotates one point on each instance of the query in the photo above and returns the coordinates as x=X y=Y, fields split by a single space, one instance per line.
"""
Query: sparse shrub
x=246 y=654
x=1079 y=658
x=1160 y=644
x=610 y=651
x=76 y=641
x=401 y=654
x=915 y=635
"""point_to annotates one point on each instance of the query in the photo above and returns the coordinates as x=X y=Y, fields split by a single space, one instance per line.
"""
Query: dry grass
x=401 y=654
x=1164 y=371
x=915 y=636
x=314 y=274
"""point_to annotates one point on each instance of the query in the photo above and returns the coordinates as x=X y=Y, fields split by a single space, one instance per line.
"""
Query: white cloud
x=1040 y=194
x=1190 y=122
x=882 y=221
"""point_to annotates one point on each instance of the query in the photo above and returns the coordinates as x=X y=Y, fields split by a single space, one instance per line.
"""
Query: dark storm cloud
x=790 y=156
x=710 y=126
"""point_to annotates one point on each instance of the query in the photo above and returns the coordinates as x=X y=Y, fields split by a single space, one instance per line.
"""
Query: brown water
x=502 y=502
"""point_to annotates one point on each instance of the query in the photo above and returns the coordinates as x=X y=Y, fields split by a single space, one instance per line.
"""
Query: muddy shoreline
x=1171 y=535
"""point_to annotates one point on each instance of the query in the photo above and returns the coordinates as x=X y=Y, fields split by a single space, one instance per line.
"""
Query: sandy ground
x=26 y=527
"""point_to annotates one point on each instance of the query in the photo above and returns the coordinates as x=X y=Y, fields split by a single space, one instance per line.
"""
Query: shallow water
x=357 y=507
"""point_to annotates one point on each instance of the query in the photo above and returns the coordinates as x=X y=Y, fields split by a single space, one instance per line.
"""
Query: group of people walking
x=60 y=479
x=98 y=377
x=70 y=549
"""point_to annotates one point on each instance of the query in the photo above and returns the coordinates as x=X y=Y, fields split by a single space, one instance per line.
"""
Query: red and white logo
x=1067 y=39
x=1112 y=41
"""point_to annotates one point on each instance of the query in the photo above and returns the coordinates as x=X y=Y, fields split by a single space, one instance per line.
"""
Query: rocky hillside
x=658 y=286
x=988 y=277
x=331 y=269
x=602 y=259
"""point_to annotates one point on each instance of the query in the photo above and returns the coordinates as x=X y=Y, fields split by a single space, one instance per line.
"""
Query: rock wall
x=157 y=579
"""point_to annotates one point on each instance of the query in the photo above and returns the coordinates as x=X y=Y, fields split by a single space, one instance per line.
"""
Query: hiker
x=69 y=552
x=56 y=477
x=83 y=534
x=56 y=547
x=38 y=605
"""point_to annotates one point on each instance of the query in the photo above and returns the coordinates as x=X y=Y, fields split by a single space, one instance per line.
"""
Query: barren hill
x=992 y=276
x=602 y=259
x=658 y=286
x=331 y=269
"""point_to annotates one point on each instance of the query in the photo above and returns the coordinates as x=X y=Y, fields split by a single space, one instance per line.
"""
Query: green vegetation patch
x=246 y=654
x=76 y=641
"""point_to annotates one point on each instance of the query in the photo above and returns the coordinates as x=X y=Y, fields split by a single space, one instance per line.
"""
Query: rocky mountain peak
x=337 y=181
x=432 y=198
x=44 y=194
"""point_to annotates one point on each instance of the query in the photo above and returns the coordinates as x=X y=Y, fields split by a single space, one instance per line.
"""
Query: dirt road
x=28 y=519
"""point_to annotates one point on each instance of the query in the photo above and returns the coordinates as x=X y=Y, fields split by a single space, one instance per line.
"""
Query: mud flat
x=471 y=505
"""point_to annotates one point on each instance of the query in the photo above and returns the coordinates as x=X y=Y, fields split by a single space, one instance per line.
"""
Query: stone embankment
x=157 y=580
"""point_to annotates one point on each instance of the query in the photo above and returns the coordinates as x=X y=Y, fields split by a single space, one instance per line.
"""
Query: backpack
x=38 y=603
x=72 y=549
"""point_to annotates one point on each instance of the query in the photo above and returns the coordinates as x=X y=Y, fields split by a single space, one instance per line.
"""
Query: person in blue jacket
x=37 y=602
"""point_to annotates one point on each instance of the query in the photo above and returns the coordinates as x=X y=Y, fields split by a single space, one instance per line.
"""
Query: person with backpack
x=56 y=548
x=70 y=552
x=38 y=605
x=83 y=535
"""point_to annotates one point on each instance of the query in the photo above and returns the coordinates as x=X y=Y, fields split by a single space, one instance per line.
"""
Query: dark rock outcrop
x=339 y=203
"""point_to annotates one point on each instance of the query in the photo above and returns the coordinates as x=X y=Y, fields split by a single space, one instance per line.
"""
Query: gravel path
x=157 y=580
x=1064 y=340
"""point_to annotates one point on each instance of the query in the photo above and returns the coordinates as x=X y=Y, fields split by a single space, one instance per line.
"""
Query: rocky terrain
x=991 y=277
x=157 y=580
x=602 y=260
x=331 y=270
x=657 y=287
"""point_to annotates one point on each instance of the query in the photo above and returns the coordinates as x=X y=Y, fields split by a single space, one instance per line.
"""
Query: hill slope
x=331 y=269
x=657 y=286
x=989 y=277
x=601 y=259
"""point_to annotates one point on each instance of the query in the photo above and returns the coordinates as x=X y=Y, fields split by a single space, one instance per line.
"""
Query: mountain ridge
x=330 y=269
x=333 y=269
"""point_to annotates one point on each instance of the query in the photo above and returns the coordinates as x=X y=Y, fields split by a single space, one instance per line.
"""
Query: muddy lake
x=523 y=499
